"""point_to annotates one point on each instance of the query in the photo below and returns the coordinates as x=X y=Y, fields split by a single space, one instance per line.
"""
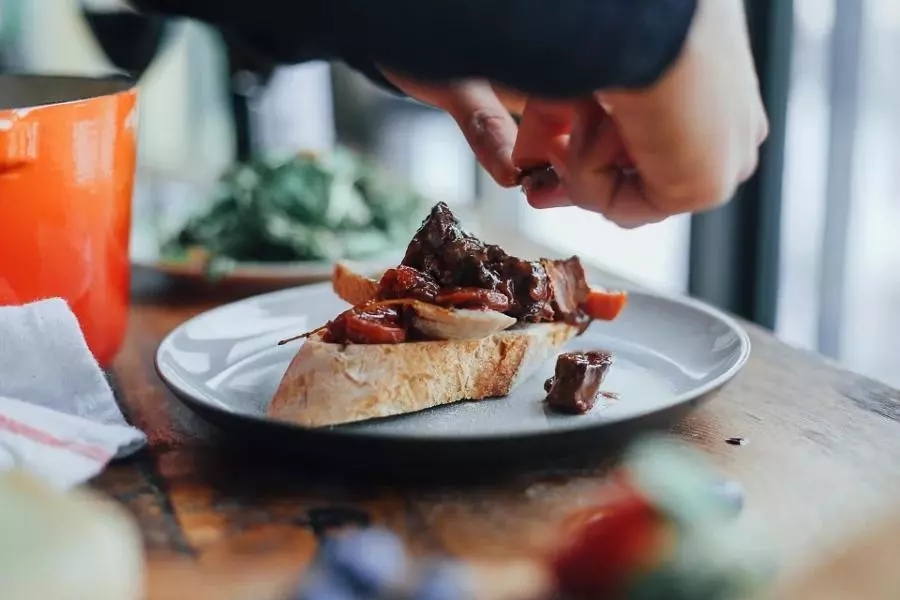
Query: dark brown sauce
x=447 y=266
x=575 y=385
x=456 y=259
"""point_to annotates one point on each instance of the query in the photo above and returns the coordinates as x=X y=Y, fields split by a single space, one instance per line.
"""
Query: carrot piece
x=605 y=305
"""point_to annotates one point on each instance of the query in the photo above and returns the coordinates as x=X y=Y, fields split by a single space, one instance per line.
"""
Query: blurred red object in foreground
x=608 y=544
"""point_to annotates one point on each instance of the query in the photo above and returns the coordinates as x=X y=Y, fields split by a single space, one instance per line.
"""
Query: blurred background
x=807 y=248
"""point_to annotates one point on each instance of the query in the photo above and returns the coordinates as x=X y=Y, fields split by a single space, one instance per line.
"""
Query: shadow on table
x=232 y=463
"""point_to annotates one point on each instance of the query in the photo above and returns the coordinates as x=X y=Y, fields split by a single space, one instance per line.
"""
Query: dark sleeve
x=554 y=48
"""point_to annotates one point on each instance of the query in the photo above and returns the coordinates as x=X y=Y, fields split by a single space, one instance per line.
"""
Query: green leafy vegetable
x=305 y=208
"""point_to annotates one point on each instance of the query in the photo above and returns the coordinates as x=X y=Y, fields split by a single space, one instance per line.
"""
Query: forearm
x=553 y=48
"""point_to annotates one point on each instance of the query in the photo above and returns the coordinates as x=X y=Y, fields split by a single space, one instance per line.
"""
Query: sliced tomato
x=605 y=305
x=473 y=298
x=363 y=329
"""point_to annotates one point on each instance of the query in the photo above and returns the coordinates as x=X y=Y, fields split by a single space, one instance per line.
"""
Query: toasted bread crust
x=352 y=287
x=330 y=384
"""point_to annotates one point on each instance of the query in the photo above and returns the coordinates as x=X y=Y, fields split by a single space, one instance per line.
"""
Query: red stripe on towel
x=42 y=437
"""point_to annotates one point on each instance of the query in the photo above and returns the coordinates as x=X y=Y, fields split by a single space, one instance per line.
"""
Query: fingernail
x=507 y=177
x=553 y=197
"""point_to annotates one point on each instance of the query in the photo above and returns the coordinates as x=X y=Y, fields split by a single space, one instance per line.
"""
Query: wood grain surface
x=821 y=459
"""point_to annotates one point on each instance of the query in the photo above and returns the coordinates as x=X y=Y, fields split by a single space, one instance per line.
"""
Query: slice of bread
x=352 y=287
x=330 y=384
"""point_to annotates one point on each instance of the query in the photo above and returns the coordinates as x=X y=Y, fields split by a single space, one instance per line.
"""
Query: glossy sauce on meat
x=569 y=289
x=457 y=259
x=575 y=384
x=446 y=266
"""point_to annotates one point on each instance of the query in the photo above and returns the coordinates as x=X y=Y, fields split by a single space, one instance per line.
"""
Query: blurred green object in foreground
x=662 y=529
x=707 y=555
x=308 y=207
x=659 y=529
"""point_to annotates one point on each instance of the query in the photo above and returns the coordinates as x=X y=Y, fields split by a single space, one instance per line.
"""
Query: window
x=655 y=255
x=840 y=285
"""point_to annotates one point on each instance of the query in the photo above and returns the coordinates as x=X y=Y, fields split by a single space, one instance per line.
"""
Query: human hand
x=692 y=137
x=482 y=111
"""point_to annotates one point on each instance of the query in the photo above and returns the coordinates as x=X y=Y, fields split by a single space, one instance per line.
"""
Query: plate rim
x=337 y=432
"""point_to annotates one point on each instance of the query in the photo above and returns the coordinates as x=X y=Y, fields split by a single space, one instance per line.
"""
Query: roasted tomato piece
x=376 y=326
x=473 y=298
x=407 y=282
x=379 y=325
x=605 y=305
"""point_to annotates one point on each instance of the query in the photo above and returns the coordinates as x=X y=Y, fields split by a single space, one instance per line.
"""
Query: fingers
x=543 y=140
x=594 y=146
x=595 y=167
x=487 y=126
x=511 y=99
x=629 y=207
x=484 y=120
x=543 y=133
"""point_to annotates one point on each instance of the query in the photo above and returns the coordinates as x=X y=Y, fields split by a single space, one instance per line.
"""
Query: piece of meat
x=448 y=267
x=569 y=288
x=457 y=259
x=576 y=381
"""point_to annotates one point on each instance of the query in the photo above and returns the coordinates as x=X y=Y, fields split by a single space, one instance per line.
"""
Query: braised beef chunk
x=575 y=384
x=446 y=266
x=569 y=288
x=457 y=259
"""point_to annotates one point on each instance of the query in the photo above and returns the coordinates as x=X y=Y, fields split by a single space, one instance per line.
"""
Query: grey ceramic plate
x=668 y=352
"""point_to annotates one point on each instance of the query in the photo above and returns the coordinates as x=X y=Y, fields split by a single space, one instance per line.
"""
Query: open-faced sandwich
x=457 y=320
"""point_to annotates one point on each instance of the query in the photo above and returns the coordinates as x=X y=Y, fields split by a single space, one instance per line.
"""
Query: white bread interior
x=330 y=384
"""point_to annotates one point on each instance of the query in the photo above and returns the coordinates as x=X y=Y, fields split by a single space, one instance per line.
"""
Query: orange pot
x=67 y=161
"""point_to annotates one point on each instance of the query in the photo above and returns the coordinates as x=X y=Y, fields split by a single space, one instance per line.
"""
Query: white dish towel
x=58 y=417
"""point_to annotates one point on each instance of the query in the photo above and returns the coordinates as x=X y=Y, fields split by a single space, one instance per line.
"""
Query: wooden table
x=823 y=456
